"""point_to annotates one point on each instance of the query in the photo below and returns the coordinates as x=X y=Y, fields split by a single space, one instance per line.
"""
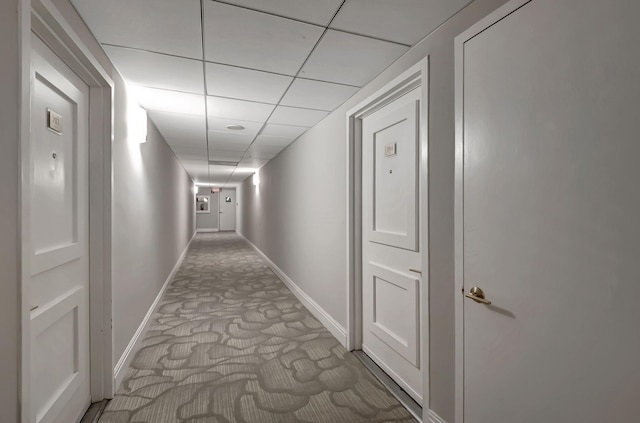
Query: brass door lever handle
x=477 y=295
x=416 y=271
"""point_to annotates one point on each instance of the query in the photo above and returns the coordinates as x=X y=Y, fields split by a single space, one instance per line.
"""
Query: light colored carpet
x=230 y=343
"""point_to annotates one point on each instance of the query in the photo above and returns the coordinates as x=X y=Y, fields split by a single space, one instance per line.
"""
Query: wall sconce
x=137 y=123
x=256 y=179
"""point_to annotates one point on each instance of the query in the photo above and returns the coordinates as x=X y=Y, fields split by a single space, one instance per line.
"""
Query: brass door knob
x=477 y=295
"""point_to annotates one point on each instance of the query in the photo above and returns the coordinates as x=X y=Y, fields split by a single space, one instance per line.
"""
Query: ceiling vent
x=222 y=163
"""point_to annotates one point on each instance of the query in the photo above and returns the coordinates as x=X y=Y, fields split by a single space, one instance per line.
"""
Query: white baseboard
x=208 y=230
x=434 y=418
x=127 y=356
x=325 y=318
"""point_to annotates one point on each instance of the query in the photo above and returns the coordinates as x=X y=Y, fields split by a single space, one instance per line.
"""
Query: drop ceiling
x=275 y=67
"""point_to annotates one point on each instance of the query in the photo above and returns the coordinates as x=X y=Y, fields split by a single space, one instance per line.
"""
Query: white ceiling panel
x=178 y=129
x=266 y=149
x=225 y=155
x=315 y=11
x=158 y=70
x=228 y=146
x=251 y=129
x=274 y=141
x=217 y=171
x=241 y=139
x=245 y=84
x=350 y=59
x=153 y=99
x=192 y=152
x=253 y=162
x=238 y=109
x=274 y=130
x=294 y=116
x=242 y=37
x=405 y=22
x=165 y=26
x=317 y=95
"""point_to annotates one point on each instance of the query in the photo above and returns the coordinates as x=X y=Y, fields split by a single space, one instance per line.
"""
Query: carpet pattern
x=230 y=343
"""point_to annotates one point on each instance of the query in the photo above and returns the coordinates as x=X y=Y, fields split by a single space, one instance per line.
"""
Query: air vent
x=222 y=163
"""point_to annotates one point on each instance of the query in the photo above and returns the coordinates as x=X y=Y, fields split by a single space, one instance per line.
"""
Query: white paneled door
x=58 y=241
x=227 y=210
x=391 y=251
x=548 y=210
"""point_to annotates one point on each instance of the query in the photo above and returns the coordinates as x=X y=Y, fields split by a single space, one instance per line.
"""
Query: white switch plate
x=390 y=149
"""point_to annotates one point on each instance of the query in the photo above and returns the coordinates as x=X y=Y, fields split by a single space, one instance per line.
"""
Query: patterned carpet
x=230 y=343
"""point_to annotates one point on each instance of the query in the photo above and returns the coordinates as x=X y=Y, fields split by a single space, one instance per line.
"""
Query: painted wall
x=208 y=220
x=9 y=202
x=153 y=220
x=297 y=214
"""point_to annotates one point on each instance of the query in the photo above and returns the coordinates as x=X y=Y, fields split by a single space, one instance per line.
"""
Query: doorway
x=387 y=237
x=227 y=209
x=65 y=230
x=547 y=206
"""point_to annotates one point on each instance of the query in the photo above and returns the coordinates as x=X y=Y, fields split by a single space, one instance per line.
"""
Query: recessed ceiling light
x=235 y=127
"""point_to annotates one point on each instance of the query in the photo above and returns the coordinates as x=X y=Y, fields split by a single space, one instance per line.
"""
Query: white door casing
x=391 y=298
x=59 y=260
x=227 y=209
x=547 y=208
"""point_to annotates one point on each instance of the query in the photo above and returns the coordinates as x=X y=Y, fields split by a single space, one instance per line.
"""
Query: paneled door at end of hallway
x=547 y=213
x=58 y=273
x=391 y=241
x=227 y=209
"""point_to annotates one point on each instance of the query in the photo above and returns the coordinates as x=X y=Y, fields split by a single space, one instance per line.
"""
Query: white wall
x=208 y=220
x=153 y=220
x=297 y=216
x=9 y=201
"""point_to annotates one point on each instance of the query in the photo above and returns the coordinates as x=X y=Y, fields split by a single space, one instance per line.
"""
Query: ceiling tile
x=228 y=146
x=317 y=95
x=274 y=141
x=315 y=11
x=242 y=37
x=295 y=116
x=179 y=128
x=165 y=26
x=251 y=129
x=153 y=99
x=267 y=149
x=193 y=152
x=350 y=59
x=225 y=155
x=274 y=130
x=221 y=170
x=238 y=109
x=157 y=70
x=242 y=139
x=245 y=84
x=384 y=19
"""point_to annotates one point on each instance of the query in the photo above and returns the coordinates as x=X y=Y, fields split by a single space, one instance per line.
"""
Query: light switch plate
x=390 y=149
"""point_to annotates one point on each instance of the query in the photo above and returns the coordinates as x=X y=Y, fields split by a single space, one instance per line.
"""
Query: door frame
x=458 y=285
x=414 y=77
x=43 y=19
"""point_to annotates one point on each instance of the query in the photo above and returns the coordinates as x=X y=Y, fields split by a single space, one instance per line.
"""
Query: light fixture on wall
x=256 y=179
x=136 y=123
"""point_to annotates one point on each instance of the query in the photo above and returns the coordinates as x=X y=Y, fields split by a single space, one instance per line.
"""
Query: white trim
x=325 y=318
x=434 y=418
x=458 y=285
x=127 y=356
x=414 y=77
x=44 y=19
x=208 y=230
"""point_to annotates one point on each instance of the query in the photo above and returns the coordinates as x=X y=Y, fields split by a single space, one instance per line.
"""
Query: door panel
x=228 y=210
x=551 y=208
x=393 y=208
x=391 y=304
x=58 y=242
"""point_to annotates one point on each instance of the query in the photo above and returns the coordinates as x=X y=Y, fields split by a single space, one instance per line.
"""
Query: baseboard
x=434 y=418
x=208 y=230
x=127 y=356
x=325 y=318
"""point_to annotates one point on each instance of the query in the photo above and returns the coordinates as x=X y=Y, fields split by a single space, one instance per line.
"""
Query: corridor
x=230 y=343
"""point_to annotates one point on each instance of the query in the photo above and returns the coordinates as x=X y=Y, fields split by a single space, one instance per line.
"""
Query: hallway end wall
x=9 y=209
x=296 y=216
x=209 y=221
